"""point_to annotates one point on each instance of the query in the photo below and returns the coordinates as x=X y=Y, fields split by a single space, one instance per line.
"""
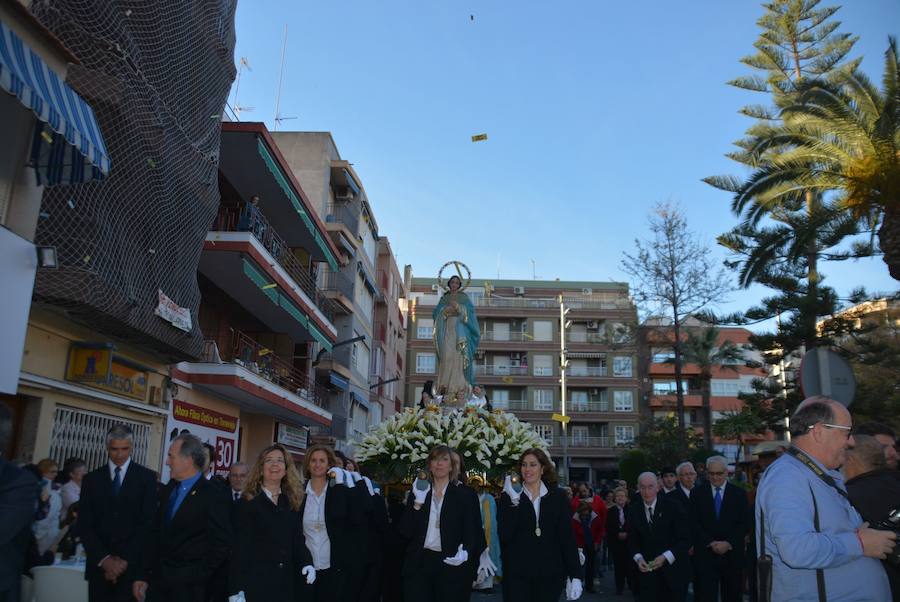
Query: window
x=662 y=355
x=579 y=400
x=622 y=366
x=500 y=399
x=724 y=388
x=425 y=363
x=543 y=399
x=362 y=361
x=620 y=333
x=624 y=434
x=543 y=330
x=580 y=436
x=668 y=387
x=424 y=328
x=623 y=401
x=545 y=432
x=543 y=365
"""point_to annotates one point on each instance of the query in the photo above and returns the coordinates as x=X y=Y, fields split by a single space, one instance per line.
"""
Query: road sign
x=824 y=372
x=561 y=418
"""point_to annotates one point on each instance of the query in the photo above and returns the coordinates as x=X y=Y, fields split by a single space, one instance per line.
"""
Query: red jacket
x=597 y=505
x=598 y=527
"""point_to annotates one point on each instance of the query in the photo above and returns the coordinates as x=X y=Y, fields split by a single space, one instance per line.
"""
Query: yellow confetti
x=87 y=258
x=47 y=137
x=268 y=286
x=264 y=352
x=479 y=137
x=151 y=162
x=507 y=379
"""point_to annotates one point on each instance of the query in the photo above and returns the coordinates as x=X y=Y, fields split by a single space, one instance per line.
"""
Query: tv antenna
x=244 y=64
x=278 y=117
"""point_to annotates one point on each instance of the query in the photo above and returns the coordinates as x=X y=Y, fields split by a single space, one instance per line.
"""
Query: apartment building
x=388 y=373
x=518 y=361
x=658 y=385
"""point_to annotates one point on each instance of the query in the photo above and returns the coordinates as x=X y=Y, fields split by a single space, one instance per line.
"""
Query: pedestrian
x=270 y=561
x=331 y=519
x=540 y=556
x=669 y=480
x=116 y=509
x=373 y=575
x=885 y=436
x=687 y=480
x=191 y=533
x=74 y=469
x=588 y=528
x=46 y=530
x=237 y=473
x=443 y=526
x=818 y=544
x=658 y=542
x=18 y=496
x=719 y=523
x=617 y=542
x=874 y=490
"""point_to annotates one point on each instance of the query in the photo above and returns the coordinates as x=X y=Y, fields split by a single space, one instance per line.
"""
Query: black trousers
x=335 y=585
x=533 y=589
x=655 y=588
x=166 y=592
x=718 y=574
x=625 y=568
x=101 y=590
x=437 y=581
x=589 y=570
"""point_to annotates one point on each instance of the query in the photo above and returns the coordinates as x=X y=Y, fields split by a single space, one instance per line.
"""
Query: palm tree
x=735 y=425
x=702 y=348
x=840 y=136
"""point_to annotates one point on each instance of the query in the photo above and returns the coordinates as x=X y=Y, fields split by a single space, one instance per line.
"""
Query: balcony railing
x=251 y=219
x=337 y=282
x=503 y=336
x=587 y=406
x=238 y=348
x=585 y=371
x=575 y=441
x=572 y=407
x=346 y=213
x=534 y=302
x=500 y=370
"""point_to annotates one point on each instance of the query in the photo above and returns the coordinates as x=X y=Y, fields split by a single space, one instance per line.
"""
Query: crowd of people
x=324 y=532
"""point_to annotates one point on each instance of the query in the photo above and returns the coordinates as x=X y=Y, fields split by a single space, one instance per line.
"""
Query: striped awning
x=68 y=147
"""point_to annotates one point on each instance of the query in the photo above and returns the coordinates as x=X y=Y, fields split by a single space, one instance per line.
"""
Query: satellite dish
x=824 y=372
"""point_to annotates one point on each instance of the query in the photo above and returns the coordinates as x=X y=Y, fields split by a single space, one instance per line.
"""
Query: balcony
x=346 y=213
x=534 y=303
x=338 y=286
x=238 y=368
x=500 y=370
x=507 y=336
x=587 y=406
x=587 y=446
x=586 y=371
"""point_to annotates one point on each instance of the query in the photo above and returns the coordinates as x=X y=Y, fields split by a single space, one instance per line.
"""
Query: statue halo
x=457 y=265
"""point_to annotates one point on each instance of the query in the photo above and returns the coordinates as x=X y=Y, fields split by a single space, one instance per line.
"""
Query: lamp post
x=563 y=365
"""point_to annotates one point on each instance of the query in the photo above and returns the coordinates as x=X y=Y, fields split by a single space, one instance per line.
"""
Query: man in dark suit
x=18 y=495
x=191 y=533
x=687 y=478
x=720 y=520
x=658 y=542
x=116 y=507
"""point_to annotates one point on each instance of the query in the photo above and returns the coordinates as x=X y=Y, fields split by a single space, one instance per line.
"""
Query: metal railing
x=346 y=213
x=576 y=441
x=337 y=281
x=500 y=370
x=534 y=302
x=239 y=348
x=543 y=371
x=587 y=406
x=584 y=371
x=574 y=407
x=502 y=336
x=251 y=219
x=587 y=337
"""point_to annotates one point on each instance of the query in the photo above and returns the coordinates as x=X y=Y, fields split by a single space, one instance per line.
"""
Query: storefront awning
x=68 y=146
x=338 y=381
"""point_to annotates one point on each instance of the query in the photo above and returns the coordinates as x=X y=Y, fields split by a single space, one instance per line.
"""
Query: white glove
x=341 y=476
x=420 y=494
x=369 y=485
x=581 y=557
x=512 y=493
x=308 y=571
x=238 y=597
x=486 y=566
x=356 y=476
x=461 y=557
x=573 y=589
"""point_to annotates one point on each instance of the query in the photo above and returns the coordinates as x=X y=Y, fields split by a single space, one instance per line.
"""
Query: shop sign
x=186 y=412
x=291 y=436
x=171 y=312
x=98 y=367
x=218 y=429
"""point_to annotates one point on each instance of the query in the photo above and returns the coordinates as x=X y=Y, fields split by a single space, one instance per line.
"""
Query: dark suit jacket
x=459 y=526
x=345 y=518
x=731 y=526
x=116 y=525
x=269 y=550
x=18 y=495
x=183 y=554
x=613 y=528
x=679 y=496
x=669 y=532
x=553 y=554
x=874 y=494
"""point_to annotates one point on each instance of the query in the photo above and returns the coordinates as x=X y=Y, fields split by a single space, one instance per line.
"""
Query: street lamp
x=563 y=364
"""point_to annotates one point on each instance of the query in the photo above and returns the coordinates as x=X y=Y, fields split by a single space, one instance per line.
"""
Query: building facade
x=518 y=361
x=388 y=373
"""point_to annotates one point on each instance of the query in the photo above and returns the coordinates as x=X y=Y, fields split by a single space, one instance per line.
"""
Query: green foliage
x=735 y=425
x=661 y=439
x=631 y=464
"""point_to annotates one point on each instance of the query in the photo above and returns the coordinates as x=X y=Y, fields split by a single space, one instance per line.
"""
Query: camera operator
x=874 y=489
x=820 y=548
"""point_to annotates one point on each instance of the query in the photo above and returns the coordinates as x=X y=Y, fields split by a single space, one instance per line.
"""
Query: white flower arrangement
x=491 y=443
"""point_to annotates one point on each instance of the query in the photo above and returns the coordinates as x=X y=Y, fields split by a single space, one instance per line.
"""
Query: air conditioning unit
x=587 y=291
x=519 y=290
x=593 y=323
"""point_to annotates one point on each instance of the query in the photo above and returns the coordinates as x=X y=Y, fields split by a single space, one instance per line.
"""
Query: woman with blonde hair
x=269 y=557
x=442 y=522
x=332 y=517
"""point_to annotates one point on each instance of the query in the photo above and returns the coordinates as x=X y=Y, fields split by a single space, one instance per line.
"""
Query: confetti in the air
x=47 y=137
x=70 y=203
x=269 y=286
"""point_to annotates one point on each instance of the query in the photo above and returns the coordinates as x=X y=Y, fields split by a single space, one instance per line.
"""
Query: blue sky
x=594 y=111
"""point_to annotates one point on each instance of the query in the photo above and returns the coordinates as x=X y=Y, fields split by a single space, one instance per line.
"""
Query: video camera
x=891 y=523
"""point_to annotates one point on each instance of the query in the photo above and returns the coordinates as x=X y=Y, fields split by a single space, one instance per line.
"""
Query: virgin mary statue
x=456 y=336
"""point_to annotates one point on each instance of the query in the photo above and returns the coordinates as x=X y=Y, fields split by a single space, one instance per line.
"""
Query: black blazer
x=116 y=525
x=459 y=526
x=613 y=528
x=669 y=532
x=554 y=554
x=18 y=496
x=679 y=496
x=269 y=551
x=345 y=519
x=731 y=526
x=188 y=550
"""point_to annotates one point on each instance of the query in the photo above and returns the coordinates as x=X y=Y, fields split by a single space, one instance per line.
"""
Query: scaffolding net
x=157 y=74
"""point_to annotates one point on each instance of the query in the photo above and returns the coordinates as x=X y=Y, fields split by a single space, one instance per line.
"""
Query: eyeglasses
x=839 y=427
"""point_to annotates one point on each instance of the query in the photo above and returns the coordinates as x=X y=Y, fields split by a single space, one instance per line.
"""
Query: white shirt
x=112 y=470
x=536 y=502
x=235 y=495
x=314 y=530
x=651 y=508
x=668 y=490
x=433 y=532
x=70 y=493
x=478 y=402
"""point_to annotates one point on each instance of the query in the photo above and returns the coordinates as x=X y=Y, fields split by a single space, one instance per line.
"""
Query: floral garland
x=491 y=443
